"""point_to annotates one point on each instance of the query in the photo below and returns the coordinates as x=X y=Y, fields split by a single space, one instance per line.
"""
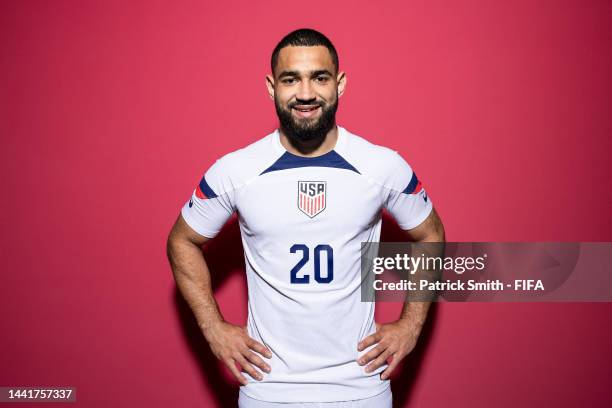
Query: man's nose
x=305 y=91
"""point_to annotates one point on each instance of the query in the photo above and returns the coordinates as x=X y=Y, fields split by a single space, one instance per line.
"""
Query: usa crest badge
x=311 y=197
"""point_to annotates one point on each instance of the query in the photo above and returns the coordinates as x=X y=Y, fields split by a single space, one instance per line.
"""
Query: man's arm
x=431 y=230
x=230 y=343
x=396 y=340
x=191 y=273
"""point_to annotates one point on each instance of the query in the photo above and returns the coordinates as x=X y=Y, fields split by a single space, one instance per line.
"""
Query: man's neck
x=311 y=148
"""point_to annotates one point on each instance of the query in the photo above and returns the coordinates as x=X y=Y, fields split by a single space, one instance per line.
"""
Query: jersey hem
x=325 y=401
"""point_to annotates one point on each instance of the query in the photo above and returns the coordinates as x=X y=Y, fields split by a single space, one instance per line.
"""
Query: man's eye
x=322 y=79
x=288 y=80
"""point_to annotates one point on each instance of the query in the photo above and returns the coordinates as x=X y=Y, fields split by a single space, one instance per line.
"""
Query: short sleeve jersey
x=302 y=222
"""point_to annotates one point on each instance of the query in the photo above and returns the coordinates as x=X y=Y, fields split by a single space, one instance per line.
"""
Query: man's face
x=305 y=89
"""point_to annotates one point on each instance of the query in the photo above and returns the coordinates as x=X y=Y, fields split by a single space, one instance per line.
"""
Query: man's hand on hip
x=232 y=344
x=395 y=341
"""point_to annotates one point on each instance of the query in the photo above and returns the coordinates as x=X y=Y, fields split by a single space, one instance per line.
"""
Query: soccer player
x=306 y=196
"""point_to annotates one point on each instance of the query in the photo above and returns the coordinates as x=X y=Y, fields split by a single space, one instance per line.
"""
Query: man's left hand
x=395 y=341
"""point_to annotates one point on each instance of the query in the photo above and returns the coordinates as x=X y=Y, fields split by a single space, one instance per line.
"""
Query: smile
x=306 y=111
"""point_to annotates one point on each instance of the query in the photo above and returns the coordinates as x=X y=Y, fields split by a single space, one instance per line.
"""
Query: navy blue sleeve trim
x=414 y=181
x=205 y=188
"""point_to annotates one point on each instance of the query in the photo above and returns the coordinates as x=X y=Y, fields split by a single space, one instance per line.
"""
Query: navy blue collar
x=292 y=161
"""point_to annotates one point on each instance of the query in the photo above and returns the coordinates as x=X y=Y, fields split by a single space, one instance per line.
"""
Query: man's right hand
x=232 y=344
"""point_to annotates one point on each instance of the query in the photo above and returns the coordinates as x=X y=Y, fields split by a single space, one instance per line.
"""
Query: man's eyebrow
x=320 y=72
x=297 y=74
x=288 y=73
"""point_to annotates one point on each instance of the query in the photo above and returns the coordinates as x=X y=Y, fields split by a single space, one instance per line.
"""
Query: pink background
x=111 y=112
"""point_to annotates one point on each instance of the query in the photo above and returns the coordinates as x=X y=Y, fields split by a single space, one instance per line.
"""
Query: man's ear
x=341 y=78
x=270 y=85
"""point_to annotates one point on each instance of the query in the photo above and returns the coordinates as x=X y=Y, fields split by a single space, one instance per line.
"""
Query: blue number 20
x=317 y=263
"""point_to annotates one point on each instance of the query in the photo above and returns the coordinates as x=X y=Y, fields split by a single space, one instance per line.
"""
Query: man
x=307 y=195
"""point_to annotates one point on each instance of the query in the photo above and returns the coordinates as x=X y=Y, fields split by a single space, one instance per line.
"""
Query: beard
x=307 y=129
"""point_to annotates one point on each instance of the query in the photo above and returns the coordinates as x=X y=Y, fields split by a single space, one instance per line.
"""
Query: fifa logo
x=311 y=197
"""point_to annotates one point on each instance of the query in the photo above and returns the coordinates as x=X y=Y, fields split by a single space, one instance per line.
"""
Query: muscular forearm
x=414 y=313
x=193 y=280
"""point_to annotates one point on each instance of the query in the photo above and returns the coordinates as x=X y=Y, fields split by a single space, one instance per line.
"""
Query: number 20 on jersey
x=321 y=250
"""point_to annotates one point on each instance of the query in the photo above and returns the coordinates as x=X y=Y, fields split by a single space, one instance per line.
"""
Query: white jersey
x=302 y=221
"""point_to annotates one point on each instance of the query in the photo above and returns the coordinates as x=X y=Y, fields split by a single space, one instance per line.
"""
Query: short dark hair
x=305 y=37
